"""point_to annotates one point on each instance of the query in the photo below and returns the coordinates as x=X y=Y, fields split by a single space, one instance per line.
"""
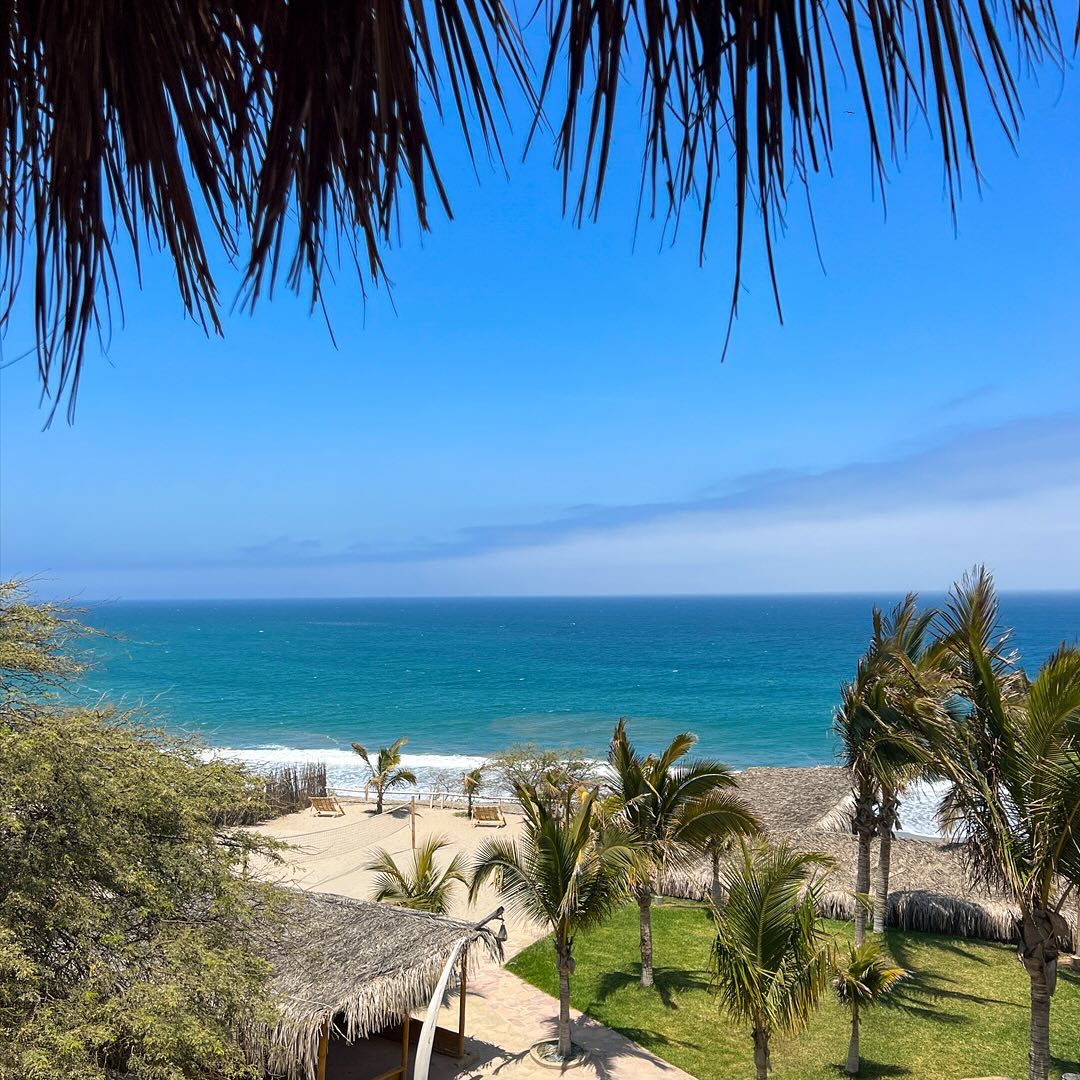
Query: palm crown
x=884 y=722
x=386 y=773
x=564 y=871
x=862 y=976
x=675 y=809
x=771 y=956
x=426 y=887
x=1012 y=759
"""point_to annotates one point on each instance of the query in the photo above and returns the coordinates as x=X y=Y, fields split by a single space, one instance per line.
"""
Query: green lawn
x=963 y=1013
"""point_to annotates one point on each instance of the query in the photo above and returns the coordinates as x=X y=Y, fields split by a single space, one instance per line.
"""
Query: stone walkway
x=506 y=1016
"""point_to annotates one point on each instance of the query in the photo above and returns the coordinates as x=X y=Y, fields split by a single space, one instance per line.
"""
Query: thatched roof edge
x=290 y=1047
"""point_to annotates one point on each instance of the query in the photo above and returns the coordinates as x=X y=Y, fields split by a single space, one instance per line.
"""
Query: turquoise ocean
x=283 y=681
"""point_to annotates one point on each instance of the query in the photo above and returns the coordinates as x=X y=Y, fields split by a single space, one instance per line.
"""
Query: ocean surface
x=756 y=678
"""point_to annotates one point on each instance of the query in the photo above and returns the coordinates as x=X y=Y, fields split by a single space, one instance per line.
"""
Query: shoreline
x=439 y=775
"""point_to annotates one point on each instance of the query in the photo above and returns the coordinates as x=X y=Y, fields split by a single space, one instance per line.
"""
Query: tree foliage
x=424 y=887
x=124 y=907
x=1012 y=759
x=675 y=809
x=771 y=957
x=123 y=912
x=565 y=871
x=548 y=773
x=386 y=772
x=39 y=652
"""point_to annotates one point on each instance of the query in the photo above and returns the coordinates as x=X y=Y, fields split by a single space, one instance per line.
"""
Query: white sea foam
x=918 y=808
x=344 y=769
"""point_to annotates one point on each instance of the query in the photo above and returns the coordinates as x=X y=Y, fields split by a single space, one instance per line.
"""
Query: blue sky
x=543 y=410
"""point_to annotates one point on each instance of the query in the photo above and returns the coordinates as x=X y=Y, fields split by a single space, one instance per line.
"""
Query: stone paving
x=506 y=1016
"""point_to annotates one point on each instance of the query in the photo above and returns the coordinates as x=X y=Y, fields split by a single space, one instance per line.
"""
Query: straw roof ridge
x=792 y=800
x=357 y=964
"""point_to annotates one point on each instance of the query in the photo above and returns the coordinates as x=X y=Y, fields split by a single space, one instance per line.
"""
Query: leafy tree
x=386 y=773
x=881 y=724
x=124 y=910
x=38 y=648
x=564 y=871
x=862 y=976
x=1012 y=759
x=423 y=888
x=550 y=773
x=471 y=783
x=772 y=956
x=674 y=809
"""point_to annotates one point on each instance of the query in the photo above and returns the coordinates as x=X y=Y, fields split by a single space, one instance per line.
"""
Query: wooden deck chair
x=328 y=804
x=488 y=815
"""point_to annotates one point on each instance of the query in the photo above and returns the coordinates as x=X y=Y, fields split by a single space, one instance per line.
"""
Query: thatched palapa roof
x=790 y=801
x=930 y=888
x=359 y=965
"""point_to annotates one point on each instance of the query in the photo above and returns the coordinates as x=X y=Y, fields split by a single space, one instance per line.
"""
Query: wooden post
x=412 y=816
x=324 y=1045
x=405 y=1048
x=461 y=1007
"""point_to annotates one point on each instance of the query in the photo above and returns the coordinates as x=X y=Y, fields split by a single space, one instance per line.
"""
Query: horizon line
x=471 y=598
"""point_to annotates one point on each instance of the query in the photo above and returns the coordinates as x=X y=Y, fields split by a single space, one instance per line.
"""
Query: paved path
x=506 y=1016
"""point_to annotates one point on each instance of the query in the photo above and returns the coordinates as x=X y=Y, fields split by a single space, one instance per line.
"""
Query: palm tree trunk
x=715 y=892
x=1039 y=1049
x=862 y=885
x=852 y=1066
x=761 y=1054
x=378 y=799
x=564 y=1003
x=881 y=885
x=644 y=899
x=470 y=806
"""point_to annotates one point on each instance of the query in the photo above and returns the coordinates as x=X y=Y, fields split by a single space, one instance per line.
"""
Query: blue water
x=755 y=677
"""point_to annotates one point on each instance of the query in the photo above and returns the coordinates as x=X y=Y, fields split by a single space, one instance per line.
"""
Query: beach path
x=506 y=1015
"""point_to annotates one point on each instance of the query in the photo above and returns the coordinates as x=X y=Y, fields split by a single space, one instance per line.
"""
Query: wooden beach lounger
x=323 y=805
x=488 y=815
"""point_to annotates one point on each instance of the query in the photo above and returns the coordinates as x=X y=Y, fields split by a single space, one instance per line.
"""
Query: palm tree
x=325 y=132
x=674 y=809
x=916 y=663
x=564 y=872
x=771 y=956
x=425 y=887
x=1012 y=760
x=387 y=773
x=862 y=976
x=882 y=723
x=471 y=783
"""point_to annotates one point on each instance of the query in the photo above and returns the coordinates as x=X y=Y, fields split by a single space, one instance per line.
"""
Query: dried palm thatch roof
x=930 y=888
x=283 y=130
x=355 y=963
x=790 y=801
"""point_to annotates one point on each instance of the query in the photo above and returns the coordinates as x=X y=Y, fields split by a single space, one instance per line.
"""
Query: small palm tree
x=1012 y=759
x=387 y=773
x=425 y=887
x=862 y=976
x=771 y=957
x=674 y=809
x=471 y=783
x=564 y=872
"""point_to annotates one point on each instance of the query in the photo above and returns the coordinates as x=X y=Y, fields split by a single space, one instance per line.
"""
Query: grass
x=964 y=1012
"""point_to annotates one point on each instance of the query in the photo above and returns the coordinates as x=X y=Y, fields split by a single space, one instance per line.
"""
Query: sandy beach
x=328 y=854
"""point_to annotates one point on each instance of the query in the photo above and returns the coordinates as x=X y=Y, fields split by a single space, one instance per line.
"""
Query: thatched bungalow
x=346 y=971
x=810 y=808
